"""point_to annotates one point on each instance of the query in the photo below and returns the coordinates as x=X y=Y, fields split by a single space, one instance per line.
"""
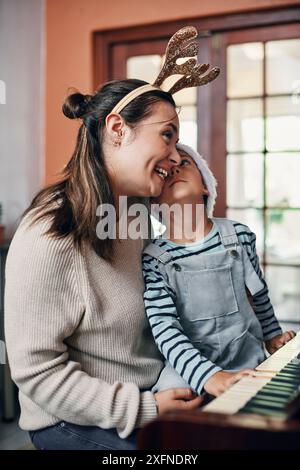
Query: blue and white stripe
x=159 y=299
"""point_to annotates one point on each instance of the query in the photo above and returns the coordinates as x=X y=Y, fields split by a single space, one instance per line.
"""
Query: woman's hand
x=221 y=381
x=177 y=399
x=278 y=341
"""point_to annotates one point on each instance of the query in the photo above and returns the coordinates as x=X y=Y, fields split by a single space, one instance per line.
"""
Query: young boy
x=205 y=297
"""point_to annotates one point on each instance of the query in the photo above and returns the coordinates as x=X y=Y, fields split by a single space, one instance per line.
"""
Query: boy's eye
x=184 y=162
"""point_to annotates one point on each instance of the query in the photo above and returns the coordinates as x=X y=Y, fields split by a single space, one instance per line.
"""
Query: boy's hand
x=221 y=381
x=177 y=399
x=278 y=341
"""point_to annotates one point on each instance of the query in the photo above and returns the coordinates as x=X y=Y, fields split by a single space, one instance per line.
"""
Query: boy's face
x=184 y=183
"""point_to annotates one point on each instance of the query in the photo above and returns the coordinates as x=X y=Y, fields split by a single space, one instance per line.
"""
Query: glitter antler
x=180 y=46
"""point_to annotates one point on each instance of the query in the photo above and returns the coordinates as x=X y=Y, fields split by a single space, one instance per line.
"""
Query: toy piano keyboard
x=273 y=392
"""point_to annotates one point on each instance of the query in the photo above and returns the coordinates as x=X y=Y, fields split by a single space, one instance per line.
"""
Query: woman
x=79 y=345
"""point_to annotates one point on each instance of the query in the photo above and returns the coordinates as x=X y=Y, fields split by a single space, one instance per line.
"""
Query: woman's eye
x=169 y=135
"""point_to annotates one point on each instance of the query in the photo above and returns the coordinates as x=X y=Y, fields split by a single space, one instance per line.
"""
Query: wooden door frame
x=104 y=40
x=210 y=100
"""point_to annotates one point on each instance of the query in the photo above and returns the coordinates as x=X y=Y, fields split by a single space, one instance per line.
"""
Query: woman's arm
x=42 y=308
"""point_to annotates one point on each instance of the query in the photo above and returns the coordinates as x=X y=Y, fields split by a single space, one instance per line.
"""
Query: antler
x=193 y=75
x=179 y=47
x=196 y=78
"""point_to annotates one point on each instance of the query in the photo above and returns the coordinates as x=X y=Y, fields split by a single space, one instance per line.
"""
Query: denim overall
x=213 y=305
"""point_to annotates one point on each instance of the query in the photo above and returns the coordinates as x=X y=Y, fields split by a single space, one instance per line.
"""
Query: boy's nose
x=174 y=171
x=174 y=157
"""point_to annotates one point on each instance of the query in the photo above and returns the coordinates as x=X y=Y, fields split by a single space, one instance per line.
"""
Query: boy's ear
x=205 y=191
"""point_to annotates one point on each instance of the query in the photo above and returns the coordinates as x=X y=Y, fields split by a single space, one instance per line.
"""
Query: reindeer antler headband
x=181 y=45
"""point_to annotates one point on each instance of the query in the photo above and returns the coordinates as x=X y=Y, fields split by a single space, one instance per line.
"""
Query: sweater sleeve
x=261 y=302
x=43 y=307
x=167 y=331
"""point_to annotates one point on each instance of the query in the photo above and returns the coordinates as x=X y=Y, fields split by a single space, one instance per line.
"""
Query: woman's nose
x=174 y=157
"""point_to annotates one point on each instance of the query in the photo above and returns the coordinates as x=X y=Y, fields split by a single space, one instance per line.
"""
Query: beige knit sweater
x=78 y=341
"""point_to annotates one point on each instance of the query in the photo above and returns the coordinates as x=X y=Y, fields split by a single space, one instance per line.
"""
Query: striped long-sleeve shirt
x=160 y=306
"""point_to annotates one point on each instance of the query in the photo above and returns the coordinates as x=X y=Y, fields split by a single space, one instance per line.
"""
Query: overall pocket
x=210 y=294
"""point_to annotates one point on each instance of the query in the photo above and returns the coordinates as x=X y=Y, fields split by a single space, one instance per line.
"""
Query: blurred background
x=246 y=123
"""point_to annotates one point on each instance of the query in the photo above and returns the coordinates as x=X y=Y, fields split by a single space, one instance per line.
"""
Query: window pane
x=283 y=124
x=282 y=183
x=188 y=96
x=147 y=68
x=144 y=67
x=245 y=126
x=245 y=180
x=283 y=66
x=245 y=69
x=188 y=125
x=283 y=234
x=283 y=283
x=254 y=219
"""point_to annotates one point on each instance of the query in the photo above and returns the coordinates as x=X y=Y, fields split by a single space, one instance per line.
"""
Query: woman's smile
x=161 y=172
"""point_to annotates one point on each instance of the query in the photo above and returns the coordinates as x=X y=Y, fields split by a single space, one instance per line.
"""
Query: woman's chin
x=156 y=186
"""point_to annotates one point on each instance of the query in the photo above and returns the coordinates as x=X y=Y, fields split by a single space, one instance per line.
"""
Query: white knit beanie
x=208 y=177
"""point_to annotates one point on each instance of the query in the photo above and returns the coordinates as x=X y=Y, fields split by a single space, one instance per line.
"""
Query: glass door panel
x=263 y=158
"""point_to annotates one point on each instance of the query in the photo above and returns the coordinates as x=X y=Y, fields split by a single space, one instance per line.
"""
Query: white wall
x=22 y=47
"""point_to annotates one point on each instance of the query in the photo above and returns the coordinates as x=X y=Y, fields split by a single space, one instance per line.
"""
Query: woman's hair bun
x=75 y=105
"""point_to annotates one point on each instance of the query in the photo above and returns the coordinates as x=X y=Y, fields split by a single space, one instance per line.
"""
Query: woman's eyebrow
x=171 y=124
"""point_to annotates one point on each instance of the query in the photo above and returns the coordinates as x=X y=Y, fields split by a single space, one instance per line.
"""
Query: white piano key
x=235 y=398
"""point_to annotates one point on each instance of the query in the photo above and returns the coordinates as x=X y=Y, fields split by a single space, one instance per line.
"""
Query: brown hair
x=84 y=183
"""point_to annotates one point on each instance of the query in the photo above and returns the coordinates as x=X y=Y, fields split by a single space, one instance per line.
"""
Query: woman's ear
x=115 y=126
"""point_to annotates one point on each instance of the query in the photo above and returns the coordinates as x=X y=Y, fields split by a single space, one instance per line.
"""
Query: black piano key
x=295 y=361
x=284 y=381
x=288 y=379
x=272 y=397
x=267 y=403
x=292 y=370
x=275 y=392
x=262 y=411
x=286 y=376
x=290 y=373
x=273 y=388
x=283 y=387
x=295 y=382
x=293 y=364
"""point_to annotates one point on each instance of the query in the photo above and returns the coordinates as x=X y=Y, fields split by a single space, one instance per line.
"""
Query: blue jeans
x=67 y=436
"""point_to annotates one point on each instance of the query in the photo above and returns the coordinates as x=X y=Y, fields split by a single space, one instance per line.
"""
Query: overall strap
x=227 y=231
x=158 y=252
x=229 y=237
